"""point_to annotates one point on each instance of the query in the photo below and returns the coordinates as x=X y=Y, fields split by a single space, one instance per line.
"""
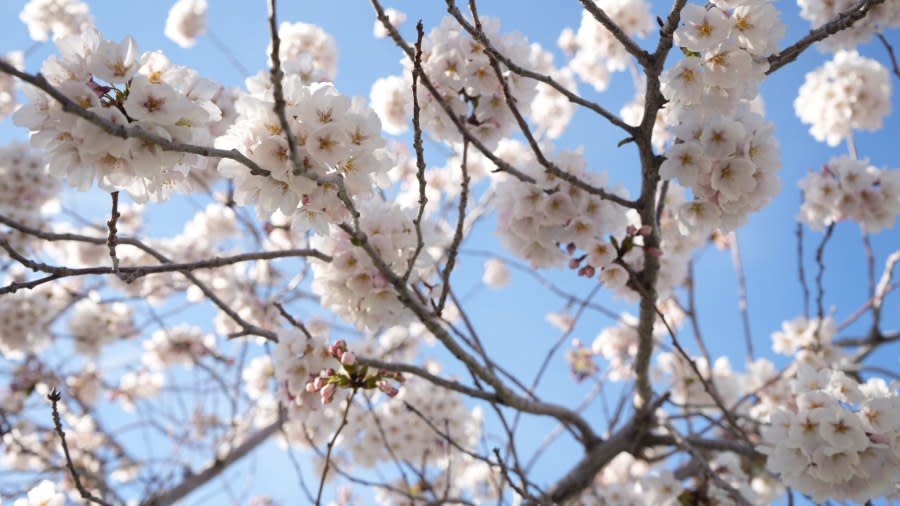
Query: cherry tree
x=198 y=272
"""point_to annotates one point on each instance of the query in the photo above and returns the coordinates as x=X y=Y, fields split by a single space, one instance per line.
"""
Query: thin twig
x=420 y=152
x=54 y=397
x=891 y=55
x=801 y=271
x=112 y=240
x=742 y=293
x=330 y=446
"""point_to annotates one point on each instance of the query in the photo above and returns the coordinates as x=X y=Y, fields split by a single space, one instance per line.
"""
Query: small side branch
x=54 y=397
x=841 y=22
x=112 y=239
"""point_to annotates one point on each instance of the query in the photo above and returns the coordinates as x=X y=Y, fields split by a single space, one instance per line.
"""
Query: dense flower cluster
x=114 y=81
x=57 y=17
x=397 y=432
x=596 y=51
x=879 y=18
x=179 y=345
x=186 y=22
x=849 y=92
x=335 y=135
x=296 y=359
x=351 y=285
x=25 y=318
x=93 y=324
x=26 y=191
x=536 y=219
x=839 y=439
x=392 y=100
x=809 y=340
x=551 y=111
x=308 y=51
x=461 y=71
x=726 y=154
x=853 y=190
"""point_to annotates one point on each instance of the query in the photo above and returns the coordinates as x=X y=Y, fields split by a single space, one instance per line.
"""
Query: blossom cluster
x=840 y=440
x=186 y=22
x=726 y=153
x=847 y=93
x=26 y=191
x=57 y=17
x=461 y=71
x=853 y=190
x=334 y=135
x=308 y=51
x=25 y=319
x=595 y=50
x=536 y=219
x=351 y=284
x=181 y=345
x=94 y=324
x=114 y=81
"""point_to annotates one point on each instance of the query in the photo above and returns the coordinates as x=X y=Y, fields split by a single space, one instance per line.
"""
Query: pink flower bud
x=573 y=263
x=388 y=389
x=570 y=248
x=630 y=230
x=348 y=358
x=328 y=393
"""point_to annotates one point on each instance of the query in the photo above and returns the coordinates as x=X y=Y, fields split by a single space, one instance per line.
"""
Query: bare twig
x=820 y=261
x=891 y=55
x=112 y=240
x=801 y=271
x=330 y=446
x=742 y=293
x=453 y=249
x=54 y=397
x=420 y=152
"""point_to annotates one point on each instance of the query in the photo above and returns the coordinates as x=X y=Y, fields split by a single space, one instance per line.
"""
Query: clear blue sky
x=512 y=320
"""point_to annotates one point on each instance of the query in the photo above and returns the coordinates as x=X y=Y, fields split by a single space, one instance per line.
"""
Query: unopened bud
x=348 y=358
x=388 y=389
x=630 y=230
x=328 y=393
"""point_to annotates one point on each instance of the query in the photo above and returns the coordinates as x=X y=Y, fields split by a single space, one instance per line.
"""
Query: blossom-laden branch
x=473 y=139
x=841 y=22
x=129 y=131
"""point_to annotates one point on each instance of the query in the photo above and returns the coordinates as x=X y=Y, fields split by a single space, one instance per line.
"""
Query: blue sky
x=512 y=319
